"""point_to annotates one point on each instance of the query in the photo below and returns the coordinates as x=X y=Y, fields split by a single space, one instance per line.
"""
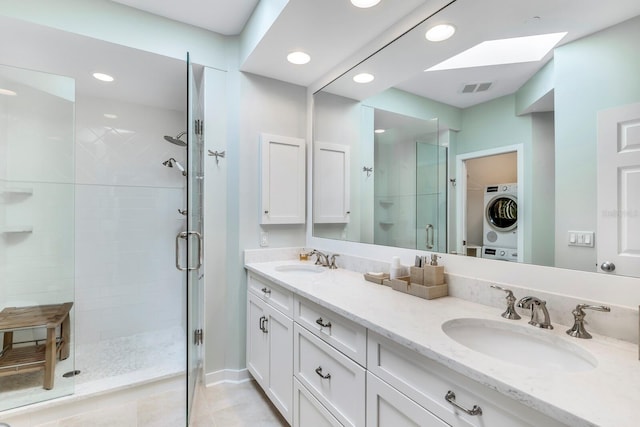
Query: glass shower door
x=195 y=243
x=431 y=196
x=37 y=255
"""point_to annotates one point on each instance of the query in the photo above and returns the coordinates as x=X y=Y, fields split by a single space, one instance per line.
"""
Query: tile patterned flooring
x=223 y=405
x=234 y=405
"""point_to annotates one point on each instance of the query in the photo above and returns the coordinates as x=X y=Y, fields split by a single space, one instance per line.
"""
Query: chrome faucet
x=578 y=330
x=321 y=259
x=537 y=306
x=510 y=312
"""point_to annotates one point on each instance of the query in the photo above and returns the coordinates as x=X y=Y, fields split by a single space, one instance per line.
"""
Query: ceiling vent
x=476 y=87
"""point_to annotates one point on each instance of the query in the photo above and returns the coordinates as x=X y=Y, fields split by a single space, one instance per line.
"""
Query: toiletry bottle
x=433 y=273
x=395 y=270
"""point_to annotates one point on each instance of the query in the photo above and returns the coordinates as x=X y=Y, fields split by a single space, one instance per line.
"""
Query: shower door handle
x=429 y=241
x=185 y=235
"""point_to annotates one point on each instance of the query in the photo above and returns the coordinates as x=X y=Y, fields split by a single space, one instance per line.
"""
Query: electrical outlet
x=264 y=238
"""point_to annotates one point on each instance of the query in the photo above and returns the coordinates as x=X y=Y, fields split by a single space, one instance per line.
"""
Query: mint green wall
x=411 y=105
x=533 y=90
x=591 y=74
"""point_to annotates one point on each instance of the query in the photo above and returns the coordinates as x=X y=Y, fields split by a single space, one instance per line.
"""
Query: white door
x=331 y=195
x=618 y=244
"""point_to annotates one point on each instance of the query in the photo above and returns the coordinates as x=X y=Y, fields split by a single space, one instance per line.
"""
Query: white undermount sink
x=523 y=345
x=300 y=268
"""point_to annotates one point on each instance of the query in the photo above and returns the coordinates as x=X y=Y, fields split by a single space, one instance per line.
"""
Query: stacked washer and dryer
x=500 y=228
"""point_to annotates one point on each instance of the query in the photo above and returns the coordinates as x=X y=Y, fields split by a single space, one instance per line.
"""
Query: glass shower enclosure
x=91 y=201
x=37 y=255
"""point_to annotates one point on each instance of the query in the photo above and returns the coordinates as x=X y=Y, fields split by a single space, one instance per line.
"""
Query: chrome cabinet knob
x=607 y=266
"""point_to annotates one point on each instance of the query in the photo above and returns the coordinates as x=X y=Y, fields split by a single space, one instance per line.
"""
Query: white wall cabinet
x=283 y=178
x=270 y=352
x=331 y=180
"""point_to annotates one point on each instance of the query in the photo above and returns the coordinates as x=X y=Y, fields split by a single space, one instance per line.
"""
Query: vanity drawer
x=308 y=411
x=427 y=382
x=334 y=379
x=274 y=295
x=343 y=334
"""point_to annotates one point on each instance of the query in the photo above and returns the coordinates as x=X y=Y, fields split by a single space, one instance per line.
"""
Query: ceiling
x=227 y=17
x=336 y=34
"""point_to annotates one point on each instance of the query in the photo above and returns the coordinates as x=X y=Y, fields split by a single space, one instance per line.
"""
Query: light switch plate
x=581 y=238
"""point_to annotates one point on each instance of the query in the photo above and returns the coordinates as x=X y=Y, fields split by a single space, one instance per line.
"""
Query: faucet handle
x=578 y=330
x=510 y=312
x=332 y=261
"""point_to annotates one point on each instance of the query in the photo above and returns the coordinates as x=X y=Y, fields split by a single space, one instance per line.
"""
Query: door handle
x=429 y=241
x=185 y=235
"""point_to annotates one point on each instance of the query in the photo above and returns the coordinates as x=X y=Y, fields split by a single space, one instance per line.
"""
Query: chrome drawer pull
x=451 y=398
x=263 y=321
x=266 y=291
x=319 y=372
x=321 y=323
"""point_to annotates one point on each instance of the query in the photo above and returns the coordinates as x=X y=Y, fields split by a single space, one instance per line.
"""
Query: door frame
x=461 y=193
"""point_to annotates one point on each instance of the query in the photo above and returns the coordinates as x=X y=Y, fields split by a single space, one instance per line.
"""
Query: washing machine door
x=502 y=212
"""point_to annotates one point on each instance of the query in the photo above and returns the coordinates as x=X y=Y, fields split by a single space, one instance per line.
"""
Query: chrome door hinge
x=197 y=337
x=199 y=127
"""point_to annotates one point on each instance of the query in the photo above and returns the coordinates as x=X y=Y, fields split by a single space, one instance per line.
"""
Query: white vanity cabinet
x=320 y=368
x=438 y=390
x=270 y=344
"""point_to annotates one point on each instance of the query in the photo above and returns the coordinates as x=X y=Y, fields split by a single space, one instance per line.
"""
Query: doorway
x=499 y=170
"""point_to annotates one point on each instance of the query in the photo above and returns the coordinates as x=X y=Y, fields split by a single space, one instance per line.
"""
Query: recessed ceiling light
x=110 y=116
x=504 y=51
x=103 y=77
x=378 y=131
x=440 y=32
x=298 y=58
x=364 y=3
x=7 y=92
x=363 y=78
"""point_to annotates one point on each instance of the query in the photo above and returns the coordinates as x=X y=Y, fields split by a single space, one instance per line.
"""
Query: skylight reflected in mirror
x=505 y=51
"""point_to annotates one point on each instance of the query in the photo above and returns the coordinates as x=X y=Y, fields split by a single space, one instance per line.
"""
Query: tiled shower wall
x=126 y=219
x=36 y=189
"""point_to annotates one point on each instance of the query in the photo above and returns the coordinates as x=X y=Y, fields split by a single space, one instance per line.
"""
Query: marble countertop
x=607 y=395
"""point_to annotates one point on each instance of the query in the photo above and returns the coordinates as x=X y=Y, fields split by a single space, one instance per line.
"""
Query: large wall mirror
x=526 y=151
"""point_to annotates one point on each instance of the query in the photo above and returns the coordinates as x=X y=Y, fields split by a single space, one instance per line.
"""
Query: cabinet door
x=280 y=389
x=283 y=180
x=331 y=183
x=387 y=407
x=257 y=340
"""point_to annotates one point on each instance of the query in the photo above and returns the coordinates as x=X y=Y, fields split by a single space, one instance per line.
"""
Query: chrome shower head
x=176 y=140
x=173 y=162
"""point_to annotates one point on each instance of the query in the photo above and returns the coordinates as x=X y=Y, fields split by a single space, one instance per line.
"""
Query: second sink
x=521 y=345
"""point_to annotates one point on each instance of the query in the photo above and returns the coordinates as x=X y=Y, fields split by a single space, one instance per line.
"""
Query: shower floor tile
x=103 y=366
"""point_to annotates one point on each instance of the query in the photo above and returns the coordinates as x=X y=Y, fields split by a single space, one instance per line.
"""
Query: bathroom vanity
x=331 y=349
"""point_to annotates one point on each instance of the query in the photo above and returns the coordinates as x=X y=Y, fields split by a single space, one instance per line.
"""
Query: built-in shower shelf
x=386 y=203
x=386 y=223
x=16 y=229
x=25 y=191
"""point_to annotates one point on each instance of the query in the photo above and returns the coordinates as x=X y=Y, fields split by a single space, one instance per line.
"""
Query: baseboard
x=227 y=376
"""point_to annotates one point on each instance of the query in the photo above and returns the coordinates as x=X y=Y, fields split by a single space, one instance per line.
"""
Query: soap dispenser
x=433 y=273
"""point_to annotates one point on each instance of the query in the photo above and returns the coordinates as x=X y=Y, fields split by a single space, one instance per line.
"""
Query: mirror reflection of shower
x=173 y=162
x=176 y=139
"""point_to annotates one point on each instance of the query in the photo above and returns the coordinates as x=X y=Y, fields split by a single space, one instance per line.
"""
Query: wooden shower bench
x=30 y=358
